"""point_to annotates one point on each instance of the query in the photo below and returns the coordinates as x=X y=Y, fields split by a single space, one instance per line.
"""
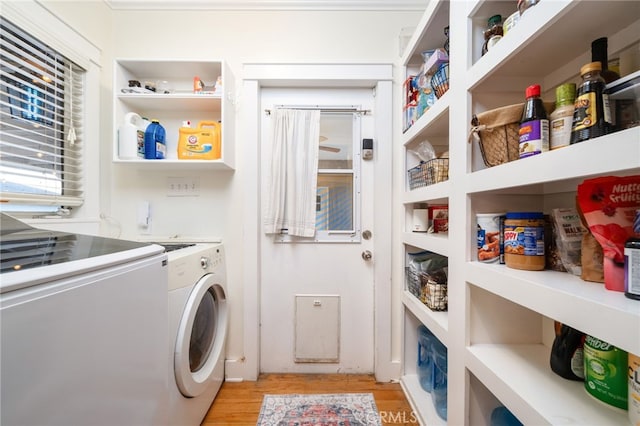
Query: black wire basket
x=429 y=172
x=440 y=80
x=430 y=289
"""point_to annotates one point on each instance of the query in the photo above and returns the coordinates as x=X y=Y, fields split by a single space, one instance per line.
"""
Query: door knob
x=366 y=255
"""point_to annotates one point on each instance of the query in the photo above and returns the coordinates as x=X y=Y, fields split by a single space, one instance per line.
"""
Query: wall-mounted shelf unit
x=172 y=108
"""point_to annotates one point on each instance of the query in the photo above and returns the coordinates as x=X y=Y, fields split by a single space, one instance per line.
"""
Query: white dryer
x=198 y=320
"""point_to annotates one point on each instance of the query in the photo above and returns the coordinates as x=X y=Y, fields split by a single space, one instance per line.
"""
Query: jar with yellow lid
x=524 y=240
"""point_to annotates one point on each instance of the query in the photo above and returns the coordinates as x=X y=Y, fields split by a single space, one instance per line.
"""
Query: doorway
x=317 y=293
x=377 y=79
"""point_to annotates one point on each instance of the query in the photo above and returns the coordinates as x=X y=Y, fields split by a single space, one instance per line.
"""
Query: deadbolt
x=366 y=234
x=366 y=255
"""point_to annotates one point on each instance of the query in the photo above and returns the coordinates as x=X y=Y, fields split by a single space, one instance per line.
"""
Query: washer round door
x=201 y=336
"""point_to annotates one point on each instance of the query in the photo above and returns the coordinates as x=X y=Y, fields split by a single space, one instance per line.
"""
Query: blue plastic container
x=425 y=358
x=155 y=145
x=439 y=392
x=503 y=417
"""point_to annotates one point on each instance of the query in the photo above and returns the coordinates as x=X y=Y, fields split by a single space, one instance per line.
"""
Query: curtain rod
x=338 y=110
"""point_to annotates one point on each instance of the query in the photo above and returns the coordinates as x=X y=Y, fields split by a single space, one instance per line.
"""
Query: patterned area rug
x=340 y=409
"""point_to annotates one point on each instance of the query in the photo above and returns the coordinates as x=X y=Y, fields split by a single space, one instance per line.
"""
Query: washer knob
x=204 y=262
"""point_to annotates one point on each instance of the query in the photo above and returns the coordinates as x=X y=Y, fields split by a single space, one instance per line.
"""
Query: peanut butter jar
x=524 y=240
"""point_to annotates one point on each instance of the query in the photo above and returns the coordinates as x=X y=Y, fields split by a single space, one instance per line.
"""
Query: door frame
x=379 y=78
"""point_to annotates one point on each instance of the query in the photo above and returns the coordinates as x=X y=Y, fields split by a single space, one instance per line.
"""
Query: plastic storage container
x=200 y=143
x=605 y=372
x=425 y=358
x=501 y=416
x=524 y=240
x=131 y=137
x=439 y=392
x=155 y=145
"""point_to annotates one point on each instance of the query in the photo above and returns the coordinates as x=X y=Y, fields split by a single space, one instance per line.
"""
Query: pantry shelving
x=172 y=108
x=525 y=385
x=499 y=326
x=426 y=241
x=432 y=126
x=562 y=169
x=437 y=322
x=550 y=293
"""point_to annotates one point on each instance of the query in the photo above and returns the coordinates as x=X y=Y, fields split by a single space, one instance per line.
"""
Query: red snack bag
x=609 y=205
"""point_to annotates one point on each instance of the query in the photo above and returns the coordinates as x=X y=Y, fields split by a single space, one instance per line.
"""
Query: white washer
x=198 y=320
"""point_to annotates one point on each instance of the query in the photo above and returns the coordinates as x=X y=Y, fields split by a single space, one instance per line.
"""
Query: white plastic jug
x=131 y=137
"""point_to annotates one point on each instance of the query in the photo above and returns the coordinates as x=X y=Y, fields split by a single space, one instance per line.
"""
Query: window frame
x=42 y=24
x=334 y=236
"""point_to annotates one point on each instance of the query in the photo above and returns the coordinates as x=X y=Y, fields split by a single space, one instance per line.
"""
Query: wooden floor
x=239 y=403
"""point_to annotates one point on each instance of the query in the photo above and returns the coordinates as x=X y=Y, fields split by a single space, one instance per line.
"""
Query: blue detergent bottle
x=155 y=145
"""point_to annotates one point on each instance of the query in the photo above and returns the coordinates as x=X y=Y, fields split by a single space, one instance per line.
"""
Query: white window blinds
x=41 y=130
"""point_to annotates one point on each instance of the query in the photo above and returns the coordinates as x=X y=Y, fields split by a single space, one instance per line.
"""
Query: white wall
x=237 y=37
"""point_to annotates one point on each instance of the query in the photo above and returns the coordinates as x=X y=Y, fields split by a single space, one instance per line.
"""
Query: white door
x=317 y=294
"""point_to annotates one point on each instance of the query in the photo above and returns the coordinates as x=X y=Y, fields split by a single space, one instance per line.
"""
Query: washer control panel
x=187 y=265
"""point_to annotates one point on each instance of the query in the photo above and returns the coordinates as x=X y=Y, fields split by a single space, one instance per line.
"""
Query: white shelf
x=436 y=242
x=186 y=103
x=436 y=321
x=551 y=293
x=533 y=50
x=172 y=70
x=563 y=169
x=434 y=123
x=429 y=33
x=420 y=402
x=169 y=164
x=520 y=377
x=434 y=194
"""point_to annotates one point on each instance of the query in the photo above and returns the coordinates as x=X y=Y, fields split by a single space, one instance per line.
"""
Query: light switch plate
x=183 y=187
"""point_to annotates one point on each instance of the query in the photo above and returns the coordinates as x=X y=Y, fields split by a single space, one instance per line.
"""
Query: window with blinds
x=41 y=137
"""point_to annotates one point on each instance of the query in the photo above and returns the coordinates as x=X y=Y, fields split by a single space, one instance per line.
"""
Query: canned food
x=524 y=240
x=488 y=236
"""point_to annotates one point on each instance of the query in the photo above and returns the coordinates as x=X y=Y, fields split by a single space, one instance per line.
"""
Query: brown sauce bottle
x=591 y=117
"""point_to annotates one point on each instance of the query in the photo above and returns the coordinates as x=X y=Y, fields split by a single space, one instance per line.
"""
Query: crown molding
x=261 y=5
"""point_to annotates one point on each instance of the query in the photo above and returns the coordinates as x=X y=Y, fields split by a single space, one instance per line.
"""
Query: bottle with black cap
x=599 y=53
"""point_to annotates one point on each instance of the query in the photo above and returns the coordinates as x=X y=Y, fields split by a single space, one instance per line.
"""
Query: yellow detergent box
x=200 y=143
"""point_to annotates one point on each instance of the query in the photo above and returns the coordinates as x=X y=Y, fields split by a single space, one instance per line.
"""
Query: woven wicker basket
x=497 y=133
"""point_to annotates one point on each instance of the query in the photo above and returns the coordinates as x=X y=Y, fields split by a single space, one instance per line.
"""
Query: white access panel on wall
x=317 y=325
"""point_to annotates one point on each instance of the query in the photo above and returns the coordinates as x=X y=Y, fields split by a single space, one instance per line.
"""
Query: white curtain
x=293 y=179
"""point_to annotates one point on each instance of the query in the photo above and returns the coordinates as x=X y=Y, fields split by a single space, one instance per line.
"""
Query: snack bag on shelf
x=568 y=238
x=592 y=259
x=609 y=205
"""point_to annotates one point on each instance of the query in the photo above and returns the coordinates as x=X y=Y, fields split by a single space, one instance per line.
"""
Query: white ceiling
x=405 y=5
